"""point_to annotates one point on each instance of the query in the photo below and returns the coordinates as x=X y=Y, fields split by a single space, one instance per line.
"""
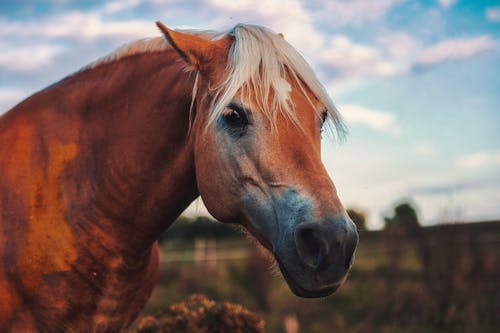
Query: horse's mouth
x=300 y=291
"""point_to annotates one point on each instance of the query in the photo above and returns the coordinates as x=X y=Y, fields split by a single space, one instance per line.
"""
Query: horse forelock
x=260 y=63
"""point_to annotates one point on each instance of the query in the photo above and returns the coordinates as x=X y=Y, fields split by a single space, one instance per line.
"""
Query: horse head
x=257 y=115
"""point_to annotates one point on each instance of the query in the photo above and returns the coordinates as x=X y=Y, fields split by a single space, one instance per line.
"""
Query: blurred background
x=418 y=84
x=406 y=277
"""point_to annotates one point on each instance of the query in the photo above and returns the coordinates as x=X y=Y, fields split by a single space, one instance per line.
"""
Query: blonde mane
x=144 y=45
x=136 y=47
x=260 y=61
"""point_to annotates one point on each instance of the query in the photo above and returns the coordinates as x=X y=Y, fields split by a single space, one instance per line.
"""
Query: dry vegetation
x=198 y=314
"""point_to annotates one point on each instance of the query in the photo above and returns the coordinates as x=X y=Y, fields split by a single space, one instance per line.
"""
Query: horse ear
x=197 y=51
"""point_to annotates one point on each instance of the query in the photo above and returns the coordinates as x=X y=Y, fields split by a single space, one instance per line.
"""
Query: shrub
x=198 y=314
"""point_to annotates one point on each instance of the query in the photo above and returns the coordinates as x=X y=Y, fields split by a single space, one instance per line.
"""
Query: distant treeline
x=188 y=229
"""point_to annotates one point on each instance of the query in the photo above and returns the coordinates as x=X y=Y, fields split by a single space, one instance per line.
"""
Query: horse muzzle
x=316 y=256
x=313 y=254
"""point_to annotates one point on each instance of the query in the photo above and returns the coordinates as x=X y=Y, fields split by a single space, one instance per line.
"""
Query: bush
x=198 y=314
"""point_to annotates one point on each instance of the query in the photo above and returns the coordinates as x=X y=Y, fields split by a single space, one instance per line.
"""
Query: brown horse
x=96 y=166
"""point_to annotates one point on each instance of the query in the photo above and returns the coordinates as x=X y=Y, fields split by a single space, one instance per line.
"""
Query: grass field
x=388 y=289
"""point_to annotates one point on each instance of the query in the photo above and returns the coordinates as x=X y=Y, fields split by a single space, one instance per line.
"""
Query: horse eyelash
x=237 y=107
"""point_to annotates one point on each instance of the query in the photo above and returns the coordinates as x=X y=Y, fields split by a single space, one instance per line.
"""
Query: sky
x=418 y=83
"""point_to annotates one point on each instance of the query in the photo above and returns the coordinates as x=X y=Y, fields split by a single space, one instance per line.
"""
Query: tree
x=405 y=216
x=358 y=217
x=405 y=220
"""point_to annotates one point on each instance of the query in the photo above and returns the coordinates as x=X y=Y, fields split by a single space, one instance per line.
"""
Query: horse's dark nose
x=321 y=245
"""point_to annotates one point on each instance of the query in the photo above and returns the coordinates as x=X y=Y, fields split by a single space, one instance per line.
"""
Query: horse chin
x=298 y=290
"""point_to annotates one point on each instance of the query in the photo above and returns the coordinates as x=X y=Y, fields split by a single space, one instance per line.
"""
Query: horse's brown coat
x=85 y=190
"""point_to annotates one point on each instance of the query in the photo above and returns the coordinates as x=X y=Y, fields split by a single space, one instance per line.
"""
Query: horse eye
x=235 y=116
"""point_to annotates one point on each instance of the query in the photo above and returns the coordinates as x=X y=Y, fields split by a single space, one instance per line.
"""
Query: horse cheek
x=214 y=179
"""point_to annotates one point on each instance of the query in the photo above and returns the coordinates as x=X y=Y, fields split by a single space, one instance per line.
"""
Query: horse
x=94 y=167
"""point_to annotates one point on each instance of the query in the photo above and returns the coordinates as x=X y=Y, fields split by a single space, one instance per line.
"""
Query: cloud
x=116 y=6
x=446 y=3
x=379 y=121
x=455 y=186
x=27 y=57
x=393 y=54
x=352 y=59
x=77 y=25
x=453 y=49
x=493 y=14
x=424 y=149
x=479 y=159
x=340 y=12
x=399 y=45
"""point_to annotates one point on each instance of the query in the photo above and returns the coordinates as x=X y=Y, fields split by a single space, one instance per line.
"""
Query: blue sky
x=417 y=81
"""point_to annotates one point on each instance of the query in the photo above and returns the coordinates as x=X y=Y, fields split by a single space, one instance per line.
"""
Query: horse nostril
x=310 y=246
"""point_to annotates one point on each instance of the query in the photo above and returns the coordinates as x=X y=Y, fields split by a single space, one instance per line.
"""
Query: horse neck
x=134 y=173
